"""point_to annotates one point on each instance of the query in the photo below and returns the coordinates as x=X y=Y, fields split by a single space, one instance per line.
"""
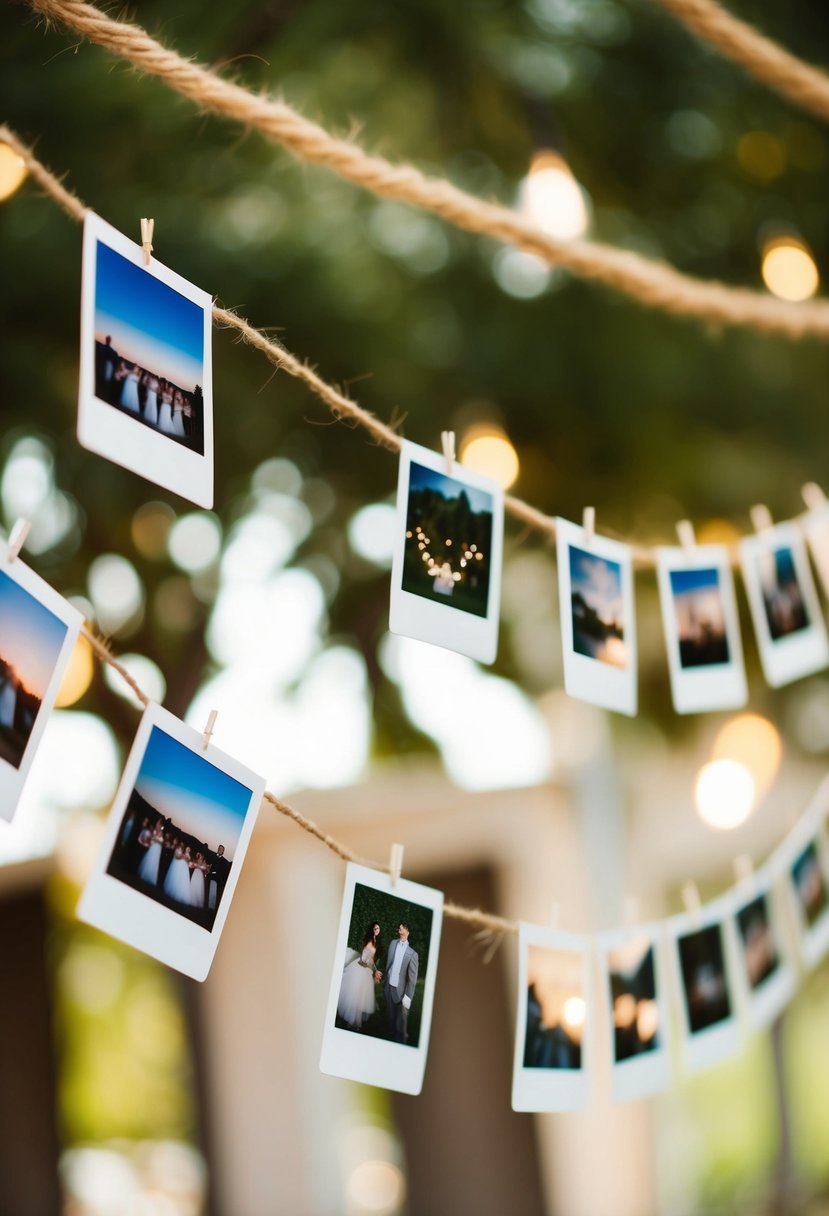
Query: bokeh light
x=574 y=1011
x=147 y=675
x=116 y=591
x=12 y=171
x=371 y=532
x=376 y=1187
x=195 y=541
x=486 y=449
x=755 y=743
x=724 y=794
x=789 y=270
x=150 y=527
x=78 y=675
x=552 y=198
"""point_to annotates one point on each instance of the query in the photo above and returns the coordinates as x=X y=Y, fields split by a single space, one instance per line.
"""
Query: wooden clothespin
x=761 y=519
x=447 y=440
x=395 y=863
x=813 y=496
x=208 y=730
x=147 y=227
x=690 y=897
x=17 y=538
x=588 y=523
x=687 y=537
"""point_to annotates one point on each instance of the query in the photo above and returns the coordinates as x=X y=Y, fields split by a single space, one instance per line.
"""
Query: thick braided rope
x=653 y=284
x=765 y=60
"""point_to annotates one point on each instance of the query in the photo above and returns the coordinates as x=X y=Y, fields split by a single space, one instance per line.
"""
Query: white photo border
x=137 y=919
x=715 y=686
x=813 y=940
x=13 y=779
x=551 y=1089
x=585 y=678
x=110 y=433
x=417 y=617
x=356 y=1057
x=646 y=1074
x=798 y=654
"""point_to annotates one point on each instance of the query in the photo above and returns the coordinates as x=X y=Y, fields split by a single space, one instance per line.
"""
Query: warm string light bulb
x=487 y=450
x=552 y=198
x=789 y=270
x=12 y=171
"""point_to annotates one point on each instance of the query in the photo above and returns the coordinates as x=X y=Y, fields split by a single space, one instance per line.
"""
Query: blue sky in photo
x=421 y=478
x=150 y=323
x=685 y=581
x=200 y=798
x=30 y=636
x=599 y=580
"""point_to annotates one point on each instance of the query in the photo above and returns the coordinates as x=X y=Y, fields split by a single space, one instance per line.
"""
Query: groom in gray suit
x=399 y=982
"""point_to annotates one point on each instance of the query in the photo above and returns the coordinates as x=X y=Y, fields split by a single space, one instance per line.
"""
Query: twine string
x=652 y=284
x=759 y=56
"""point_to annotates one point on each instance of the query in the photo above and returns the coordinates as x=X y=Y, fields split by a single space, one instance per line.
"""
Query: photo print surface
x=702 y=632
x=446 y=573
x=550 y=1068
x=704 y=985
x=638 y=1021
x=382 y=990
x=768 y=979
x=180 y=830
x=808 y=884
x=146 y=391
x=38 y=630
x=597 y=619
x=791 y=634
x=176 y=838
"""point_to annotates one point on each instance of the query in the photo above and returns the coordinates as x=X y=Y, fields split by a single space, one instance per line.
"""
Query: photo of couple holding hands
x=381 y=991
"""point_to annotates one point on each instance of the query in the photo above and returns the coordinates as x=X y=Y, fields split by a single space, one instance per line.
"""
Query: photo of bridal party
x=31 y=638
x=149 y=349
x=385 y=967
x=179 y=832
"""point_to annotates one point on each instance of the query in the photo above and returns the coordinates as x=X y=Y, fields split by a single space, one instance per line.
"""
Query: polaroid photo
x=146 y=385
x=808 y=884
x=551 y=1064
x=702 y=629
x=791 y=634
x=703 y=962
x=379 y=1011
x=174 y=845
x=764 y=969
x=815 y=524
x=632 y=970
x=598 y=626
x=446 y=571
x=38 y=631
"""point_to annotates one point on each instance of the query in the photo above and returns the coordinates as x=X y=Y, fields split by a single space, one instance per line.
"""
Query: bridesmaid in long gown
x=178 y=415
x=8 y=700
x=357 y=1000
x=151 y=404
x=148 y=870
x=177 y=881
x=129 y=390
x=165 y=410
x=197 y=881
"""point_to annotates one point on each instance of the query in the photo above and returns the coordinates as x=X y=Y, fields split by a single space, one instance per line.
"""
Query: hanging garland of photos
x=652 y=284
x=184 y=811
x=175 y=841
x=156 y=419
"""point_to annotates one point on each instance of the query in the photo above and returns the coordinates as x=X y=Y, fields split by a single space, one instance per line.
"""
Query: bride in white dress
x=357 y=991
x=151 y=404
x=444 y=578
x=165 y=410
x=148 y=870
x=177 y=881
